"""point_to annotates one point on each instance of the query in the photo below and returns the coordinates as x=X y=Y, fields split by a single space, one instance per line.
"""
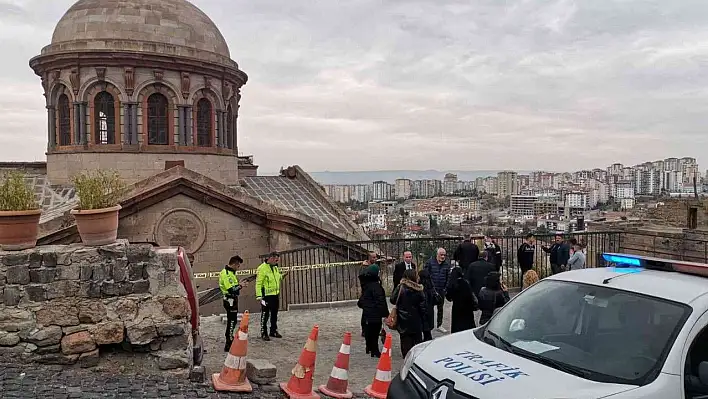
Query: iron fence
x=329 y=273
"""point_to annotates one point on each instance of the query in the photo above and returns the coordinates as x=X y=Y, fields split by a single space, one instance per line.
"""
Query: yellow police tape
x=249 y=272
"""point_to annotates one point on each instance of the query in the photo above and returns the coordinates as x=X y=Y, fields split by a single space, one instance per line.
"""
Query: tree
x=434 y=227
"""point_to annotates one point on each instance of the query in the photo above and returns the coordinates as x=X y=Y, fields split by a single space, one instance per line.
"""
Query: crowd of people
x=472 y=283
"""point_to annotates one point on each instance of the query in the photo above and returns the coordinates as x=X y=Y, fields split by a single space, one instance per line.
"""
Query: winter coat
x=431 y=298
x=466 y=253
x=439 y=273
x=373 y=298
x=491 y=297
x=525 y=256
x=577 y=261
x=464 y=301
x=477 y=272
x=495 y=255
x=558 y=253
x=410 y=307
x=398 y=271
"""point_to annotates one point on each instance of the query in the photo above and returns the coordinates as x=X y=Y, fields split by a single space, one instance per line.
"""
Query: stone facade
x=675 y=213
x=64 y=304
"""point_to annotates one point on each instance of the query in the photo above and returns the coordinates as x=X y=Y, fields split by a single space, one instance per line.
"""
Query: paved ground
x=295 y=327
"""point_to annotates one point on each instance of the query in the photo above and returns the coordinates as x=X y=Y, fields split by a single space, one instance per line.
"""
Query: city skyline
x=526 y=89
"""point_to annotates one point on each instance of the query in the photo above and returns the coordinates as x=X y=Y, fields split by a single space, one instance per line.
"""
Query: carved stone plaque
x=181 y=227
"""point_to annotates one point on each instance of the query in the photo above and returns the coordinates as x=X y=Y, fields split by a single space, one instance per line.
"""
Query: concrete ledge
x=323 y=305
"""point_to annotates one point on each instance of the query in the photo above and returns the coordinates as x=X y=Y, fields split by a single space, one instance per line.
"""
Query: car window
x=599 y=333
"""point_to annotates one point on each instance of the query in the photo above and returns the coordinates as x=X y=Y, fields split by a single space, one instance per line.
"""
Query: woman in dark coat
x=410 y=308
x=464 y=301
x=431 y=298
x=493 y=295
x=374 y=308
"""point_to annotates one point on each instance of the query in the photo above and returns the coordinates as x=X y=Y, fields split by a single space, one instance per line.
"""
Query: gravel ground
x=295 y=326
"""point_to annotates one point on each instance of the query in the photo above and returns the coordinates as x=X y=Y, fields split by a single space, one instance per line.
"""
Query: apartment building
x=403 y=188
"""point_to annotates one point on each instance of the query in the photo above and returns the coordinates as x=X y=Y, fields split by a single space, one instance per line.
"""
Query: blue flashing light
x=622 y=260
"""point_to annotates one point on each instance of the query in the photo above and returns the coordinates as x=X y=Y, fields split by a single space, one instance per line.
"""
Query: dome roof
x=174 y=27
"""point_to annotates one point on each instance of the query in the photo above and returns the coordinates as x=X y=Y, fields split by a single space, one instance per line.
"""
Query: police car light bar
x=647 y=262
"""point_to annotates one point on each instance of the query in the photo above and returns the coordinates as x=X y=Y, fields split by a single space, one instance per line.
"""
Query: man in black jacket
x=526 y=253
x=494 y=252
x=401 y=267
x=478 y=271
x=466 y=253
x=559 y=254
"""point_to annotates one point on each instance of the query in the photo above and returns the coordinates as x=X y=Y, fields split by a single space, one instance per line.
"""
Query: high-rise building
x=523 y=205
x=507 y=184
x=404 y=188
x=450 y=183
x=383 y=191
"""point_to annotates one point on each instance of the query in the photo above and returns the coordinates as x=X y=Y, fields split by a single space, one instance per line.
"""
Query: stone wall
x=67 y=304
x=679 y=244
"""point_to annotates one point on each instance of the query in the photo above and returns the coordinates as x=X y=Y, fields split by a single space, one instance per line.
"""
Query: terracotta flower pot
x=18 y=229
x=97 y=226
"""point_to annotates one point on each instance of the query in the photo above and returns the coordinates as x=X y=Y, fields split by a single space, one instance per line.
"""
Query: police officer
x=268 y=278
x=230 y=290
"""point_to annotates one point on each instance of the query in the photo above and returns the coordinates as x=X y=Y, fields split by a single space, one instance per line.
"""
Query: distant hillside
x=390 y=176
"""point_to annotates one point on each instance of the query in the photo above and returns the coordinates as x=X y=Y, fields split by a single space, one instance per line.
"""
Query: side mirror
x=703 y=373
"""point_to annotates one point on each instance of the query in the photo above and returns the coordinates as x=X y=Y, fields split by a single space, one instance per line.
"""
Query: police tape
x=250 y=272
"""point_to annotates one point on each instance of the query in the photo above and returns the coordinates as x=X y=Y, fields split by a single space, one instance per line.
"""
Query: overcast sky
x=430 y=84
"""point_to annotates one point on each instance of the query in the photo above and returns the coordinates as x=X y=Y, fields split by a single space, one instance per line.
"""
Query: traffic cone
x=233 y=375
x=379 y=388
x=300 y=384
x=337 y=386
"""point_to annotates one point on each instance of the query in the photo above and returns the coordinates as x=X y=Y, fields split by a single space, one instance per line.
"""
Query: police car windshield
x=598 y=333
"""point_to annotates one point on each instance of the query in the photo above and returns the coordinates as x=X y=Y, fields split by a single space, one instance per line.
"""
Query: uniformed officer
x=268 y=293
x=230 y=289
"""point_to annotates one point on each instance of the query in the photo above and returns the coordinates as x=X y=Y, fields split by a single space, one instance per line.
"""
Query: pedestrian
x=371 y=259
x=466 y=253
x=559 y=254
x=431 y=298
x=268 y=278
x=493 y=296
x=478 y=271
x=526 y=253
x=464 y=301
x=230 y=290
x=374 y=307
x=578 y=259
x=439 y=270
x=494 y=251
x=529 y=278
x=402 y=266
x=410 y=310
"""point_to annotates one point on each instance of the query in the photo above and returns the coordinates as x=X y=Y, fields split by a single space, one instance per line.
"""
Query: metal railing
x=329 y=273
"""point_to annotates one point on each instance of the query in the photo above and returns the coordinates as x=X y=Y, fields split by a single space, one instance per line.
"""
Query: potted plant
x=19 y=213
x=99 y=193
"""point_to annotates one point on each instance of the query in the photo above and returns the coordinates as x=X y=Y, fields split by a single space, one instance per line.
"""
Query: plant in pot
x=19 y=213
x=100 y=193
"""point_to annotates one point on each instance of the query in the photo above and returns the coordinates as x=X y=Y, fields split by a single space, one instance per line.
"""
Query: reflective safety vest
x=227 y=280
x=267 y=280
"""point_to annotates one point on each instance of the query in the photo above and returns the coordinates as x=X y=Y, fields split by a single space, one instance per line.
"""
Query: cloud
x=423 y=84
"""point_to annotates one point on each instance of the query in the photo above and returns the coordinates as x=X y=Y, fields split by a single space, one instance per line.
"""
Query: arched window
x=204 y=122
x=158 y=131
x=229 y=127
x=64 y=119
x=105 y=118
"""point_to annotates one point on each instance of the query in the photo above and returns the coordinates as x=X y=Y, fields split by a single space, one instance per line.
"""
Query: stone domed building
x=148 y=88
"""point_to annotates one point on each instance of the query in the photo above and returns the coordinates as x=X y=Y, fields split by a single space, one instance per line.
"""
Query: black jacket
x=398 y=271
x=559 y=253
x=464 y=301
x=477 y=272
x=410 y=307
x=525 y=256
x=431 y=298
x=491 y=297
x=466 y=253
x=373 y=298
x=495 y=254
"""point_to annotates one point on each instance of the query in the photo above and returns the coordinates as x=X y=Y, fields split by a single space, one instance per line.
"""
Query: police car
x=638 y=329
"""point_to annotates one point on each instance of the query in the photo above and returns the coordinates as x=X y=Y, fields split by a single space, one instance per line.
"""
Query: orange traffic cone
x=337 y=386
x=300 y=384
x=233 y=375
x=379 y=388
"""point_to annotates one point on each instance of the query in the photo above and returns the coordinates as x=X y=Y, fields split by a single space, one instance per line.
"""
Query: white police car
x=636 y=330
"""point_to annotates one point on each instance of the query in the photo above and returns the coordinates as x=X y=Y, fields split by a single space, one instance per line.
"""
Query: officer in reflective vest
x=230 y=290
x=268 y=293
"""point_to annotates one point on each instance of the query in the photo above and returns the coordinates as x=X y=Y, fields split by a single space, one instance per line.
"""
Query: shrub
x=15 y=194
x=99 y=189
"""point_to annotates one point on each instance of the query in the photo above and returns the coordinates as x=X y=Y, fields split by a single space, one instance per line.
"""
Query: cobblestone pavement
x=295 y=327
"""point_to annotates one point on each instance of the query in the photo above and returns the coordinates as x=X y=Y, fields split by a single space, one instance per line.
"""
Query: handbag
x=392 y=319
